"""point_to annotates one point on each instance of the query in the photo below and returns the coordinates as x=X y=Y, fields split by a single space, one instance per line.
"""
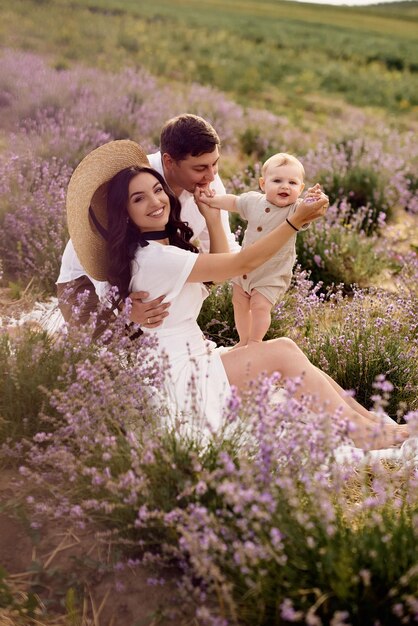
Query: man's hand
x=147 y=314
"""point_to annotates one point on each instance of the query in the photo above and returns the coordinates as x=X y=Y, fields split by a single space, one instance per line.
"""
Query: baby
x=255 y=293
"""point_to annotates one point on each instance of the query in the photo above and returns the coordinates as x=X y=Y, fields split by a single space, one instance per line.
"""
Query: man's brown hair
x=188 y=135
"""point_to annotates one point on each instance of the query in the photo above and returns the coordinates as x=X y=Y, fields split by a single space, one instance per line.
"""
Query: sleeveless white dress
x=196 y=386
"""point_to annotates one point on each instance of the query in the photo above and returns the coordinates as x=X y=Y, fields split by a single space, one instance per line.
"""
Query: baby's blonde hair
x=282 y=158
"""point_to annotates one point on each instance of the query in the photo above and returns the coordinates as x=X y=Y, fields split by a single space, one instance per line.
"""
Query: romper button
x=244 y=276
x=259 y=228
x=267 y=209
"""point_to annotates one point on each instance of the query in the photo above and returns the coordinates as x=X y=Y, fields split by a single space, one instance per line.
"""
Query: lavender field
x=261 y=524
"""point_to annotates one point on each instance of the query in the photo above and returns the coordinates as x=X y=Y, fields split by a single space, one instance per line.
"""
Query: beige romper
x=272 y=278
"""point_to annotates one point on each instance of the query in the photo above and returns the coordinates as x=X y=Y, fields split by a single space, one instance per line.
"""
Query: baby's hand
x=205 y=196
x=313 y=207
x=203 y=193
x=206 y=203
x=314 y=193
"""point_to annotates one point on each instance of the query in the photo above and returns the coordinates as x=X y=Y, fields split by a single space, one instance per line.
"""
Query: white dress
x=196 y=385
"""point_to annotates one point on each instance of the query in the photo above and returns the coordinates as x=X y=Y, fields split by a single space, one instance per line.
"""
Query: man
x=188 y=158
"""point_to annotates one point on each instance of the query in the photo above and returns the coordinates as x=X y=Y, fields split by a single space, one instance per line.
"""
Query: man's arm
x=147 y=314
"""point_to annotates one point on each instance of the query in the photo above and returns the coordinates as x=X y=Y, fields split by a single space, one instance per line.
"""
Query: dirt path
x=55 y=559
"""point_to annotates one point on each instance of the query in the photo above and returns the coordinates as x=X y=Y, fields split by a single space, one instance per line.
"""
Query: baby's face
x=282 y=184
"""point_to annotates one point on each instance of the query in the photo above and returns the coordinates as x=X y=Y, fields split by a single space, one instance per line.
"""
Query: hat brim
x=88 y=188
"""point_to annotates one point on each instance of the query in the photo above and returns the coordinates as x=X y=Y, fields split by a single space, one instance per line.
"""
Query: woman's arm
x=218 y=239
x=220 y=267
x=217 y=236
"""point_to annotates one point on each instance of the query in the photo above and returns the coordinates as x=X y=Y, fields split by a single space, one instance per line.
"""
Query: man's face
x=191 y=172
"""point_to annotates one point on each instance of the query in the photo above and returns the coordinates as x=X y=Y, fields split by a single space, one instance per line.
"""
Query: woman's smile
x=148 y=204
x=157 y=212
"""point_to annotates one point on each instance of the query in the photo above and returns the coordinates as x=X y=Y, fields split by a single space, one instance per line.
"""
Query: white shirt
x=71 y=267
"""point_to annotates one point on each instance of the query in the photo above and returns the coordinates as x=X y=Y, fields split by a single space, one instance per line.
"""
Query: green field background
x=287 y=57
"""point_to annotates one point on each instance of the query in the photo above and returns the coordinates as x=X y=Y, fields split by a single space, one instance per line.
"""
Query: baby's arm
x=227 y=202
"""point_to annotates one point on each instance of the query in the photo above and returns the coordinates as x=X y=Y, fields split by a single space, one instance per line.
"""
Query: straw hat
x=87 y=199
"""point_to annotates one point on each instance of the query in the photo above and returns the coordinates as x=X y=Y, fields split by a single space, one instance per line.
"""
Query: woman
x=114 y=195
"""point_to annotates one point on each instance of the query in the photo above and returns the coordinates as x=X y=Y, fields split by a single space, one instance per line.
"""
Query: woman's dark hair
x=124 y=236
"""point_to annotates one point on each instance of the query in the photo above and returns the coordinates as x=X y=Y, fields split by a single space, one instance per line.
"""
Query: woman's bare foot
x=372 y=436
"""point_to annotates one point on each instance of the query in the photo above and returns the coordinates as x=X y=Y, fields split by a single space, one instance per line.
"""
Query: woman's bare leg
x=282 y=355
x=352 y=402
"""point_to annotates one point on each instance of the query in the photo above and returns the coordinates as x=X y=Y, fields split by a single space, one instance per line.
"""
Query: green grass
x=32 y=365
x=276 y=55
x=269 y=15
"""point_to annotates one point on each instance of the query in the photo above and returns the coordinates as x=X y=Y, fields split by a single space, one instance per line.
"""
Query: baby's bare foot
x=240 y=344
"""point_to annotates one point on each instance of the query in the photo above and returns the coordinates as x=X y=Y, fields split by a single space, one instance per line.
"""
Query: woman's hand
x=202 y=197
x=206 y=200
x=314 y=206
x=313 y=193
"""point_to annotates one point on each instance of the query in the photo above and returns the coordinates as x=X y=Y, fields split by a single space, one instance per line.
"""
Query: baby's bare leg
x=242 y=314
x=260 y=316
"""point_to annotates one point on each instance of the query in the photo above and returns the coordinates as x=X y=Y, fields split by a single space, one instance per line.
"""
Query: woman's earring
x=127 y=220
